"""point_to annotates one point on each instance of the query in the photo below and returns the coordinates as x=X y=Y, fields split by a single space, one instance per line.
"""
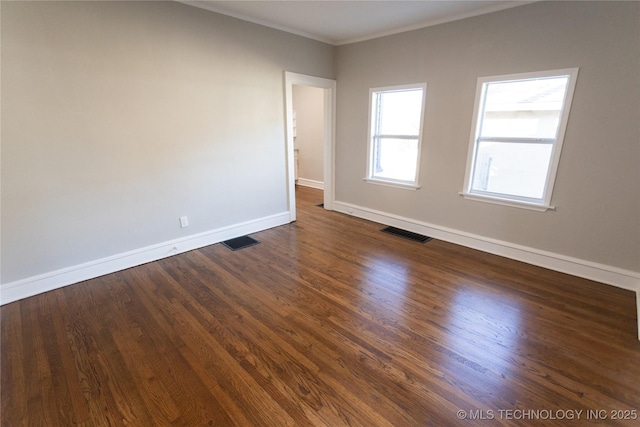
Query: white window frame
x=544 y=203
x=370 y=177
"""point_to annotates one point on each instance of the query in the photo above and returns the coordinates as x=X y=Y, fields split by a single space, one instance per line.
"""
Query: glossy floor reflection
x=327 y=322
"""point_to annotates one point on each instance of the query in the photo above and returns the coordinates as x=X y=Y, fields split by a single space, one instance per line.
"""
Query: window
x=395 y=135
x=517 y=132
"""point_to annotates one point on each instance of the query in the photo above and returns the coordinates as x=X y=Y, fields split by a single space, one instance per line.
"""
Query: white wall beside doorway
x=308 y=103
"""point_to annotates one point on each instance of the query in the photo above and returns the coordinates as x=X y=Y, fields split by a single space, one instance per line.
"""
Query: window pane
x=523 y=108
x=395 y=159
x=400 y=112
x=515 y=169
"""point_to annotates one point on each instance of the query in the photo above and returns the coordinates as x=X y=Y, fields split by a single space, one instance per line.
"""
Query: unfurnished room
x=319 y=213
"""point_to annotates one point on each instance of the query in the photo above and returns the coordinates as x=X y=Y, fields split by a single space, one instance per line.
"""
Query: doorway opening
x=312 y=96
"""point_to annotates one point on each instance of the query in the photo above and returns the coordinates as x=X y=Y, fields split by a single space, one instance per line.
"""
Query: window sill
x=396 y=184
x=507 y=202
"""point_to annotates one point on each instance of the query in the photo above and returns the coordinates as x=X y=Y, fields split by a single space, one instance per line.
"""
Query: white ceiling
x=341 y=21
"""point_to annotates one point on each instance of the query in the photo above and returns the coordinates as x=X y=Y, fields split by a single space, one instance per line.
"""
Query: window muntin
x=395 y=134
x=519 y=124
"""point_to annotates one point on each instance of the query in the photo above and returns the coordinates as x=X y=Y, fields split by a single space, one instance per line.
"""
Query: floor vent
x=406 y=234
x=240 y=243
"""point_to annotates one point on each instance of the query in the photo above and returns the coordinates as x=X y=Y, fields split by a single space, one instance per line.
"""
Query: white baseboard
x=310 y=183
x=621 y=278
x=30 y=286
x=615 y=276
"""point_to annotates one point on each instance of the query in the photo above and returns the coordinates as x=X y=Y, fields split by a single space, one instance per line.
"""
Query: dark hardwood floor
x=326 y=322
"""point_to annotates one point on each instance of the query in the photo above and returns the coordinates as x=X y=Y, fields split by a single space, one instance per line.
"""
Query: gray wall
x=119 y=117
x=596 y=192
x=308 y=103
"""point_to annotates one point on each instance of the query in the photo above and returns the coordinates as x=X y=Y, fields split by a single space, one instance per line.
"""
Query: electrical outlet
x=184 y=221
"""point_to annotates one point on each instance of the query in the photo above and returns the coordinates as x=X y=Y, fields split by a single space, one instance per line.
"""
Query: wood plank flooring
x=326 y=322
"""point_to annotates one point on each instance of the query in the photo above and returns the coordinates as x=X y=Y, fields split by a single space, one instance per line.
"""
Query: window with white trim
x=517 y=132
x=395 y=133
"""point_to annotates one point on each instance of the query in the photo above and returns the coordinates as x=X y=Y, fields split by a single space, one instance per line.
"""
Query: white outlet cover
x=184 y=221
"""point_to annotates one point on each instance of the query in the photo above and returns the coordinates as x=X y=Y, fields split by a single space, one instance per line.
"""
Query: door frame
x=329 y=86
